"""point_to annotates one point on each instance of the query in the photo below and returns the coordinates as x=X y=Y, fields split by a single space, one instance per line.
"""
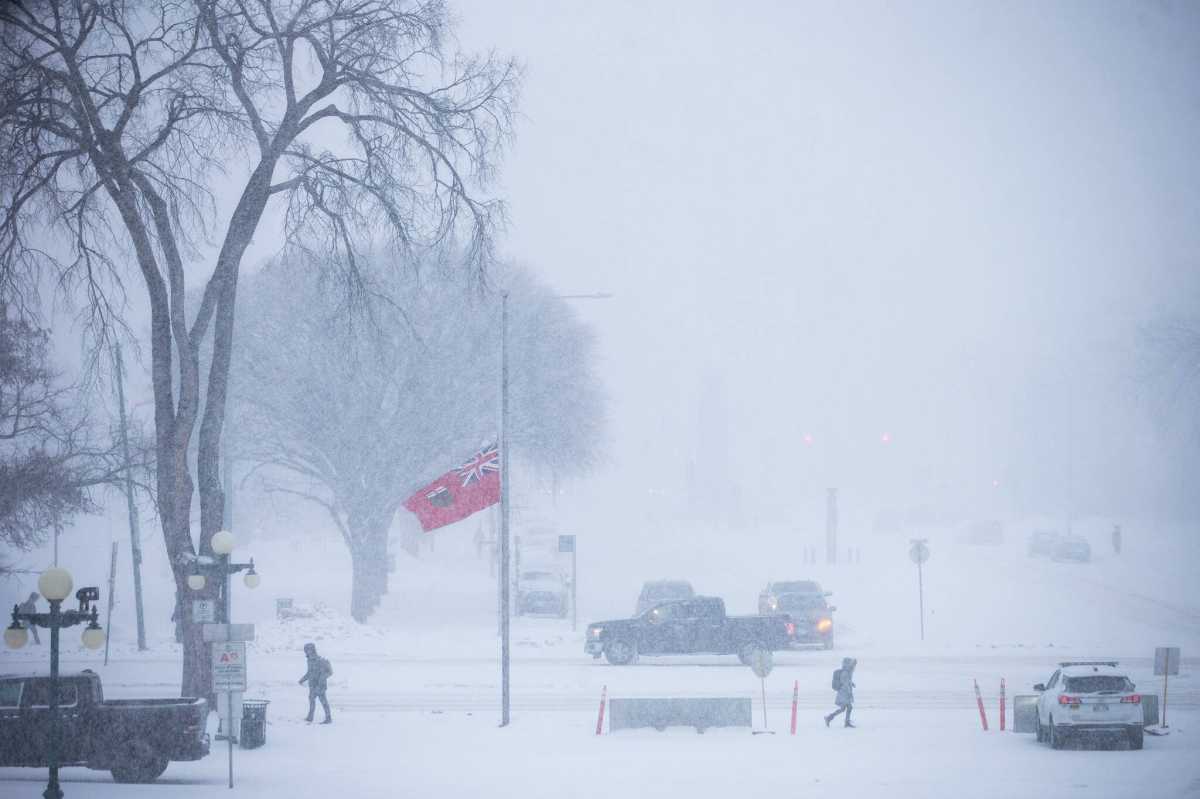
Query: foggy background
x=903 y=251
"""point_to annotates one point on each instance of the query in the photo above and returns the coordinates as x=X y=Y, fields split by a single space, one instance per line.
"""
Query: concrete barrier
x=624 y=714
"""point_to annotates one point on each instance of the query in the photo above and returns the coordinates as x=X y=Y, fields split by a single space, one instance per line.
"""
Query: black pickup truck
x=133 y=738
x=688 y=627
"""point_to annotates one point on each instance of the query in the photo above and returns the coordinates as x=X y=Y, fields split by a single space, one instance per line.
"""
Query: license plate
x=1099 y=708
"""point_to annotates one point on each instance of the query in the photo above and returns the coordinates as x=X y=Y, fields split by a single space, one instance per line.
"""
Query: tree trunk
x=368 y=557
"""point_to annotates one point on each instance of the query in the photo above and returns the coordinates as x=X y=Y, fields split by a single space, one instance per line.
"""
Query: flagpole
x=504 y=564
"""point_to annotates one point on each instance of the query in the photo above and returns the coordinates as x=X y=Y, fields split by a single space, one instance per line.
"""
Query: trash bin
x=254 y=723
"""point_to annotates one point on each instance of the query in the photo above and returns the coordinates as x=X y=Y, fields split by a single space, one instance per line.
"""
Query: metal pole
x=52 y=790
x=112 y=593
x=1164 y=713
x=921 y=598
x=135 y=536
x=228 y=630
x=504 y=509
x=574 y=586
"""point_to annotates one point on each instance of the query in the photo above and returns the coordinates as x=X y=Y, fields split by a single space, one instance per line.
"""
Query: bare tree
x=51 y=456
x=355 y=412
x=122 y=123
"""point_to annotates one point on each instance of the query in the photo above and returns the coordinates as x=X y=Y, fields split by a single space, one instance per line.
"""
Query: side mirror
x=1040 y=687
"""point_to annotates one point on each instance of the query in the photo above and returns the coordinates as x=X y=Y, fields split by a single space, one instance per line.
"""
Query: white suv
x=1089 y=698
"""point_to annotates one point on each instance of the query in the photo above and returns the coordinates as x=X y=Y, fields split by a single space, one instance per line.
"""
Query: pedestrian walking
x=30 y=606
x=843 y=683
x=317 y=677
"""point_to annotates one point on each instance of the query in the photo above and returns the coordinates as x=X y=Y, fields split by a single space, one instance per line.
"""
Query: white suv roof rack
x=1067 y=663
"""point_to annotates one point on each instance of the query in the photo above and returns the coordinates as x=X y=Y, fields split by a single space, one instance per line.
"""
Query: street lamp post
x=223 y=569
x=55 y=585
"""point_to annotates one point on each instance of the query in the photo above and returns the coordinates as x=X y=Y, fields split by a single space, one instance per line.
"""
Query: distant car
x=805 y=603
x=655 y=592
x=1072 y=548
x=542 y=593
x=1043 y=542
x=1088 y=700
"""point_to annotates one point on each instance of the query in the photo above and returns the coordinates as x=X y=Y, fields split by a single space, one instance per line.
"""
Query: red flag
x=459 y=492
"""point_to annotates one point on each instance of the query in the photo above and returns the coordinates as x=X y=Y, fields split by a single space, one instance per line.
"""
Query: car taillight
x=791 y=628
x=1132 y=699
x=1063 y=699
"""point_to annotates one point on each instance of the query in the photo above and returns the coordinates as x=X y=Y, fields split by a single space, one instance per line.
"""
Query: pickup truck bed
x=135 y=739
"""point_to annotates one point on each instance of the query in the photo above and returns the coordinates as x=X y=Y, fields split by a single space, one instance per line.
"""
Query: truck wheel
x=1056 y=737
x=1137 y=737
x=1038 y=733
x=139 y=762
x=620 y=653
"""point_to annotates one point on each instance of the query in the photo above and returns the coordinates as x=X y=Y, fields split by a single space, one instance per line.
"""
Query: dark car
x=542 y=593
x=806 y=605
x=1073 y=548
x=688 y=627
x=132 y=738
x=655 y=592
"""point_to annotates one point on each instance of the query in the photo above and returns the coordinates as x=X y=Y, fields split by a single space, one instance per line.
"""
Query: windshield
x=668 y=591
x=802 y=602
x=1099 y=683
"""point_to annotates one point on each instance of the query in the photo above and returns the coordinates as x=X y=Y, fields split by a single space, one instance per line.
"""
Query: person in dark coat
x=317 y=677
x=845 y=691
x=30 y=606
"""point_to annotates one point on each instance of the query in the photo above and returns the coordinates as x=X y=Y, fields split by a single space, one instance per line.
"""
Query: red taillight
x=1132 y=699
x=791 y=628
x=1063 y=699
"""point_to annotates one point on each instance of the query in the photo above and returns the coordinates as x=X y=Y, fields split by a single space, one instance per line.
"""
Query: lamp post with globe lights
x=223 y=569
x=55 y=585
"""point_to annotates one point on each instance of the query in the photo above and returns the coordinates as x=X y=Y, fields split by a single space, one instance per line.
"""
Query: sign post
x=229 y=677
x=761 y=663
x=919 y=553
x=566 y=543
x=1166 y=662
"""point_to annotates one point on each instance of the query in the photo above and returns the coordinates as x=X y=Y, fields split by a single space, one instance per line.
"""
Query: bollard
x=1002 y=704
x=979 y=701
x=600 y=718
x=795 y=699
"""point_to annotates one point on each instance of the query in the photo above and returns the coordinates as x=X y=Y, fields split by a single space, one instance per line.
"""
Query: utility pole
x=504 y=511
x=135 y=536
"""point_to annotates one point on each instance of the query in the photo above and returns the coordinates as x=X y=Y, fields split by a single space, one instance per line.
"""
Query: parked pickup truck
x=688 y=627
x=132 y=738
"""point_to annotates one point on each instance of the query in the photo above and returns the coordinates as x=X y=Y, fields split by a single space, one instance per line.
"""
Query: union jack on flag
x=486 y=460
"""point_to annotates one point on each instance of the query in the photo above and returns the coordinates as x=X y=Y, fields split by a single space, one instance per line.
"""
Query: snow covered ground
x=415 y=693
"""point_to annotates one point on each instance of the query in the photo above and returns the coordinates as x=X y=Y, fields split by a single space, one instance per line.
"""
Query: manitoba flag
x=459 y=492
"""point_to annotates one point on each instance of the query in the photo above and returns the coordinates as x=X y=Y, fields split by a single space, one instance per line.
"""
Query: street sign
x=1166 y=661
x=204 y=611
x=227 y=632
x=918 y=552
x=566 y=543
x=229 y=666
x=761 y=663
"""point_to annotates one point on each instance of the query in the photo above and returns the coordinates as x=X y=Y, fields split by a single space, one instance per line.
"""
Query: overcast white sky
x=942 y=221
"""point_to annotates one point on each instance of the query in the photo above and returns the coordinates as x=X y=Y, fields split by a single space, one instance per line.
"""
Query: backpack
x=837 y=680
x=326 y=669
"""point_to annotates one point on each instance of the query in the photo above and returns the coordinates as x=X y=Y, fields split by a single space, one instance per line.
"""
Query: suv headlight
x=594 y=632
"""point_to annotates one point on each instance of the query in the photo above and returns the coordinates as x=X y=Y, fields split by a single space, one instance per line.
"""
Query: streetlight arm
x=66 y=618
